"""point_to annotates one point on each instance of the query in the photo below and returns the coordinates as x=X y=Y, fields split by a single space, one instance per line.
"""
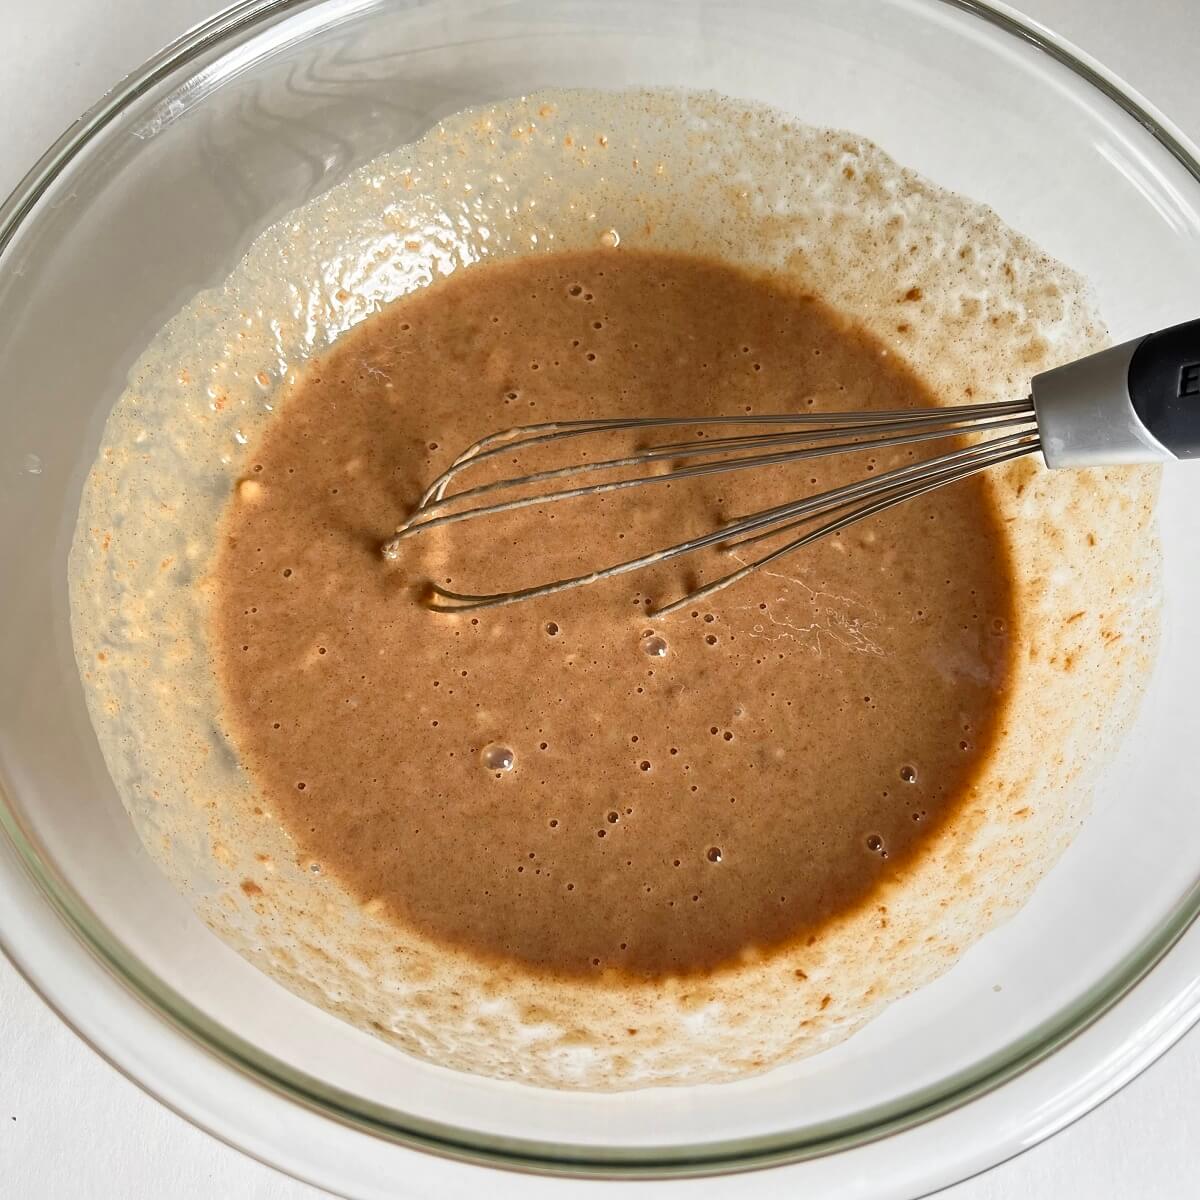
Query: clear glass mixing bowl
x=156 y=193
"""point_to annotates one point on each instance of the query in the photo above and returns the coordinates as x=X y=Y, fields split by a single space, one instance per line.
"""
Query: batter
x=555 y=782
x=482 y=866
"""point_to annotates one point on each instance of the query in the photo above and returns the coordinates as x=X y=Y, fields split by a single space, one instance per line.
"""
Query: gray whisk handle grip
x=1134 y=403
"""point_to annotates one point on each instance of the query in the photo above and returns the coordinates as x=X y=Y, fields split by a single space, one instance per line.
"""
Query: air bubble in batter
x=497 y=757
x=655 y=645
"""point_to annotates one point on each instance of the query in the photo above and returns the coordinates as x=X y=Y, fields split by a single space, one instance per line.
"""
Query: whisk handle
x=1164 y=385
x=1137 y=402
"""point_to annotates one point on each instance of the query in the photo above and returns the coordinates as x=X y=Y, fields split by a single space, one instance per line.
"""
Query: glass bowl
x=156 y=193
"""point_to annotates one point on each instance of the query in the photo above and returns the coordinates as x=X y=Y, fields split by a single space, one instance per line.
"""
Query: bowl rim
x=248 y=17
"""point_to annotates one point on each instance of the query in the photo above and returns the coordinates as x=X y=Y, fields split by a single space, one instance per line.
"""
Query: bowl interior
x=160 y=201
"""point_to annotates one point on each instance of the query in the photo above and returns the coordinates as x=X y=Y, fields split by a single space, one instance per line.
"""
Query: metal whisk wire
x=803 y=436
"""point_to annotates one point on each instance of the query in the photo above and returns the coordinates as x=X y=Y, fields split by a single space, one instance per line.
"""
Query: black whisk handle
x=1164 y=386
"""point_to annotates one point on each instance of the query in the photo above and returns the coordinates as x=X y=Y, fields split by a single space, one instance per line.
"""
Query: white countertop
x=72 y=1126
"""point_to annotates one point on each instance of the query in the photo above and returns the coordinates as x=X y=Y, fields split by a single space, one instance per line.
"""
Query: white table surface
x=71 y=1127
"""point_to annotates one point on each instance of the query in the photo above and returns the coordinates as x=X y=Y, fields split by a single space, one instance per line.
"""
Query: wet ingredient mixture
x=564 y=784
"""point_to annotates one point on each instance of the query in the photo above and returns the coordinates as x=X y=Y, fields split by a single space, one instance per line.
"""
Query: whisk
x=1134 y=403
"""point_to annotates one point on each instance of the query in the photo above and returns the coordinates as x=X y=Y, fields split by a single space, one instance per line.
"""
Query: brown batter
x=662 y=814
